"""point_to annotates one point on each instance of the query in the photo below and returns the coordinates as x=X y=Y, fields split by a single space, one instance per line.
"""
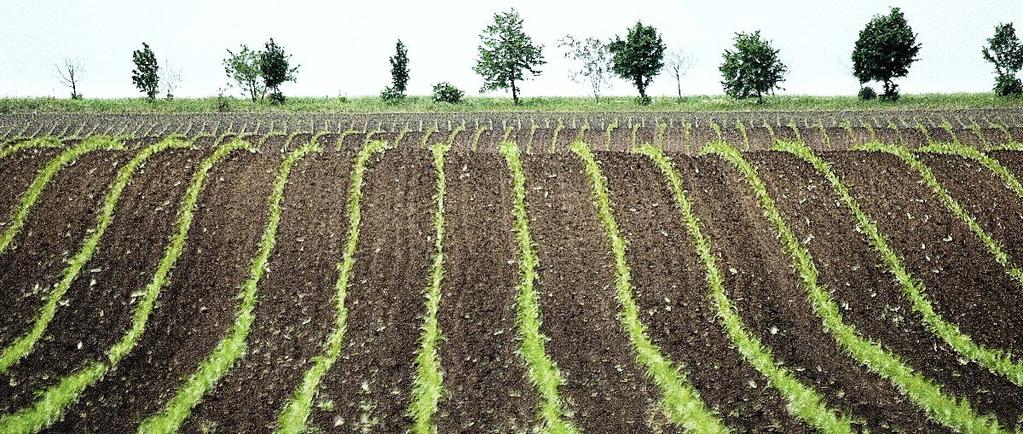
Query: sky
x=343 y=47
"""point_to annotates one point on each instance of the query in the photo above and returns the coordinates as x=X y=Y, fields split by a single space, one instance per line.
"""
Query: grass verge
x=993 y=246
x=22 y=346
x=949 y=411
x=53 y=401
x=543 y=372
x=802 y=401
x=681 y=401
x=293 y=416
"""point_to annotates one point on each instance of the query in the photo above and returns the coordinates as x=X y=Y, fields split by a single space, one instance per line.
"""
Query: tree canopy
x=507 y=54
x=885 y=50
x=146 y=76
x=1005 y=52
x=275 y=67
x=639 y=57
x=752 y=68
x=399 y=74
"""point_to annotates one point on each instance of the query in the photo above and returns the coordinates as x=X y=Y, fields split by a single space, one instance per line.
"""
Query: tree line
x=507 y=56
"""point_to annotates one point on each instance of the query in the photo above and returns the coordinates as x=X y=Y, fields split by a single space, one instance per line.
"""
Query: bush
x=867 y=93
x=391 y=96
x=1007 y=85
x=447 y=92
x=223 y=102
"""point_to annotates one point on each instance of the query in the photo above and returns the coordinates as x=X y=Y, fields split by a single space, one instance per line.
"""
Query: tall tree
x=275 y=67
x=399 y=74
x=752 y=69
x=506 y=54
x=639 y=57
x=146 y=74
x=593 y=60
x=884 y=51
x=70 y=75
x=1005 y=52
x=678 y=63
x=171 y=79
x=242 y=67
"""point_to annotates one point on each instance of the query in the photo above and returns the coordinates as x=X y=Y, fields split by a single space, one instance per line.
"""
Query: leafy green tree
x=146 y=73
x=506 y=54
x=885 y=50
x=1005 y=52
x=594 y=61
x=275 y=68
x=242 y=67
x=399 y=74
x=752 y=68
x=639 y=57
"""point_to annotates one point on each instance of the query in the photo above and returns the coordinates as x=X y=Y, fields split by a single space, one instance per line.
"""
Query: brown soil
x=294 y=309
x=19 y=170
x=681 y=318
x=485 y=380
x=773 y=303
x=195 y=309
x=604 y=387
x=370 y=385
x=867 y=291
x=52 y=233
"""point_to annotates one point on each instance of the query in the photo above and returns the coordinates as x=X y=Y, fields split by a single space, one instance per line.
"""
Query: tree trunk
x=678 y=82
x=515 y=93
x=74 y=89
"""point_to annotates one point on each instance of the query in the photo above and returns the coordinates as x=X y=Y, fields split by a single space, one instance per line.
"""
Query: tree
x=752 y=69
x=146 y=73
x=679 y=63
x=506 y=54
x=70 y=75
x=884 y=51
x=399 y=74
x=1005 y=52
x=275 y=68
x=171 y=79
x=243 y=68
x=639 y=57
x=594 y=61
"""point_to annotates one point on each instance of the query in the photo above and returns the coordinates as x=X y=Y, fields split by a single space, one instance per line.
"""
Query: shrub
x=223 y=102
x=867 y=93
x=639 y=57
x=884 y=51
x=447 y=92
x=1007 y=85
x=753 y=69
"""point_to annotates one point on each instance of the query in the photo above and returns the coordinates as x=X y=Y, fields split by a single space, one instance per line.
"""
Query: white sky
x=343 y=46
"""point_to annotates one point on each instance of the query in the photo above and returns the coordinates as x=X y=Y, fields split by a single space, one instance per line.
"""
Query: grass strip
x=993 y=246
x=19 y=213
x=994 y=360
x=964 y=151
x=53 y=401
x=554 y=137
x=949 y=411
x=23 y=345
x=543 y=372
x=680 y=399
x=35 y=143
x=427 y=387
x=295 y=413
x=802 y=401
x=232 y=348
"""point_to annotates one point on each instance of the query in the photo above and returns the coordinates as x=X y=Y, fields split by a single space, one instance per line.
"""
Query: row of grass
x=543 y=372
x=231 y=348
x=680 y=399
x=427 y=386
x=293 y=417
x=802 y=401
x=52 y=402
x=993 y=246
x=963 y=151
x=24 y=344
x=18 y=145
x=952 y=412
x=994 y=360
x=19 y=214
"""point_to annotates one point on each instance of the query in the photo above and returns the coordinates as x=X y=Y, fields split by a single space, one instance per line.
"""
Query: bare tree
x=594 y=61
x=70 y=75
x=171 y=79
x=678 y=63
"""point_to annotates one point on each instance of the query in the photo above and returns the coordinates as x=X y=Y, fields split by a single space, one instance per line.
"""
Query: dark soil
x=195 y=309
x=604 y=387
x=19 y=170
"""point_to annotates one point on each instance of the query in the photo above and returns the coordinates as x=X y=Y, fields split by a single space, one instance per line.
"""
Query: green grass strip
x=293 y=416
x=680 y=399
x=994 y=360
x=964 y=151
x=993 y=246
x=24 y=344
x=53 y=401
x=36 y=143
x=232 y=348
x=803 y=402
x=19 y=214
x=427 y=387
x=951 y=412
x=543 y=372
